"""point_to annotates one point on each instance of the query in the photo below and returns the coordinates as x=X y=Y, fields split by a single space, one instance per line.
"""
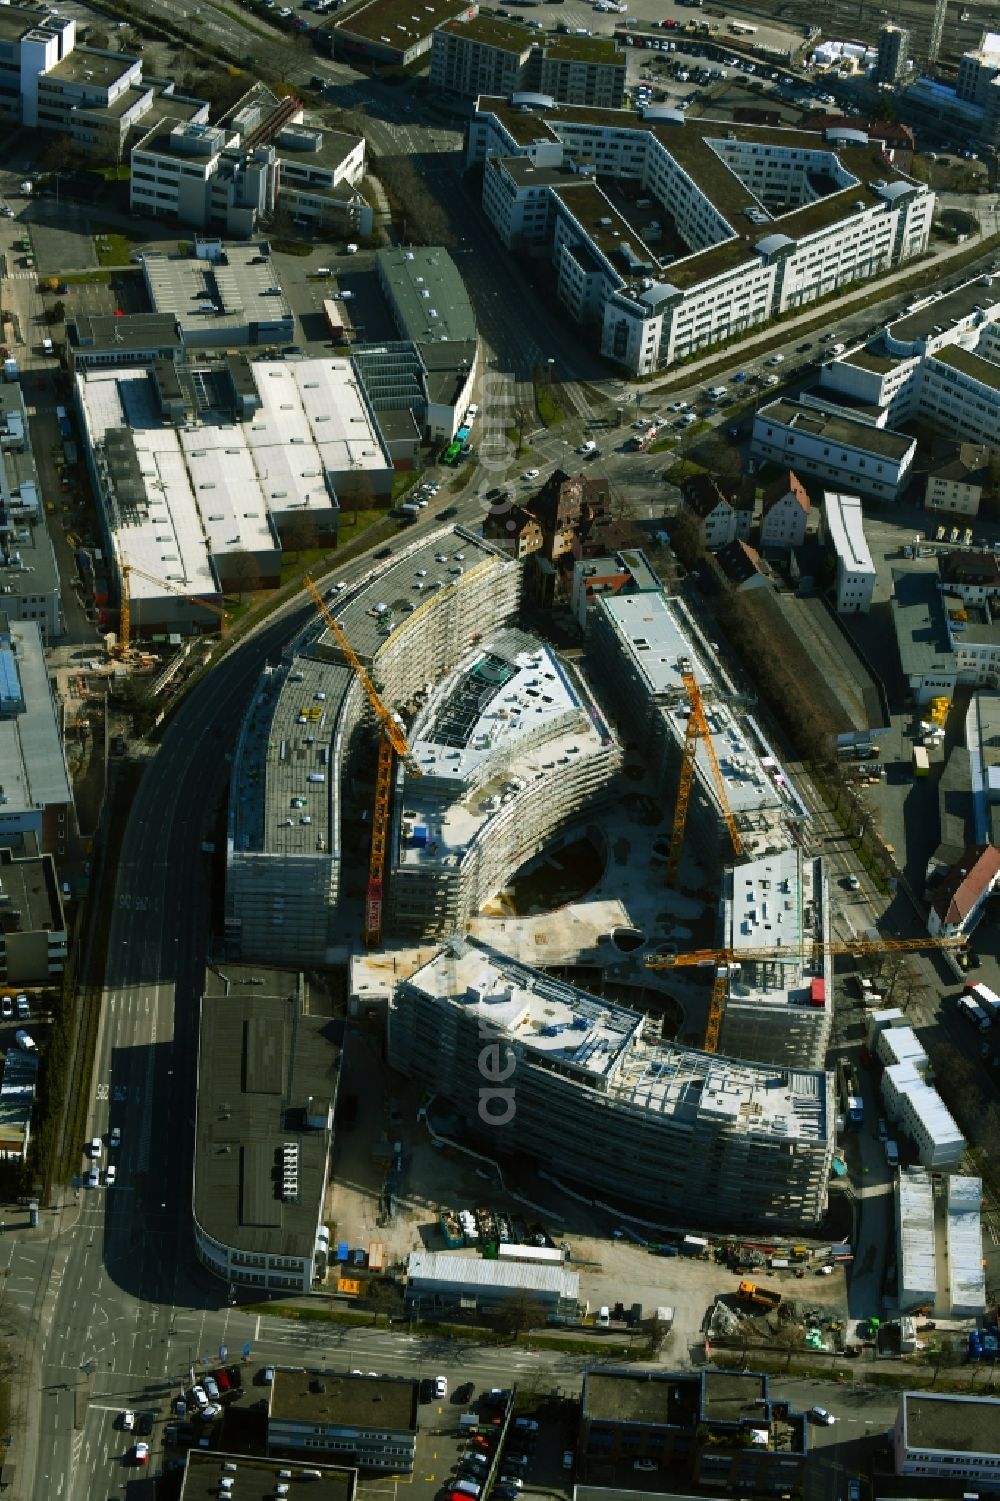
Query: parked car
x=440 y=1386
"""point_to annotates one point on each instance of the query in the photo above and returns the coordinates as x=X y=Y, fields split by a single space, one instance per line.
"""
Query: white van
x=837 y=348
x=47 y=347
x=716 y=391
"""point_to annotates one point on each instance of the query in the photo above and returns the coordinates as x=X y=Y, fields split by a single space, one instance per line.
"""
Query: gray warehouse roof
x=256 y=1479
x=265 y=1069
x=427 y=293
x=365 y=1402
x=429 y=1269
x=959 y=1425
x=921 y=632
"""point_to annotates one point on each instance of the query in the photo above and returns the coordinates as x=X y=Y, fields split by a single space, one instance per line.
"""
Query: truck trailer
x=763 y=1297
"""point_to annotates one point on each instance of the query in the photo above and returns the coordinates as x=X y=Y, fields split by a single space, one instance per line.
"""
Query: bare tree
x=243 y=574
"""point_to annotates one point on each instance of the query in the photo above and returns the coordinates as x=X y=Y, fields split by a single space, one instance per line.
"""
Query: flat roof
x=430 y=301
x=915 y=1223
x=602 y=1047
x=15 y=20
x=327 y=1399
x=265 y=1070
x=493 y=31
x=88 y=66
x=845 y=523
x=771 y=897
x=855 y=175
x=310 y=146
x=964 y=1239
x=950 y=310
x=28 y=883
x=948 y=1424
x=399 y=21
x=728 y=1394
x=429 y=1267
x=153 y=331
x=921 y=631
x=167 y=135
x=837 y=429
x=649 y=1397
x=583 y=49
x=256 y=1479
x=604 y=225
x=33 y=774
x=975 y=366
x=241 y=285
x=21 y=504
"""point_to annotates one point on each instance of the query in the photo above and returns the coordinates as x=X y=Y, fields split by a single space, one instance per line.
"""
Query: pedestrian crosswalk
x=21 y=276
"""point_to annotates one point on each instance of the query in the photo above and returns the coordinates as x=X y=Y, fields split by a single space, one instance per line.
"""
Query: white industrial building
x=299 y=748
x=845 y=451
x=512 y=749
x=778 y=1009
x=916 y=1243
x=916 y=1109
x=638 y=648
x=577 y=1085
x=940 y=361
x=200 y=472
x=964 y=1246
x=941 y=638
x=769 y=219
x=843 y=524
x=223 y=296
x=36 y=799
x=938 y=1435
x=436 y=1282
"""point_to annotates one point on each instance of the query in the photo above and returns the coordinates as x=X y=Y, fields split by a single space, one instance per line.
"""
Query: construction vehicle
x=392 y=741
x=763 y=1297
x=697 y=733
x=125 y=607
x=725 y=960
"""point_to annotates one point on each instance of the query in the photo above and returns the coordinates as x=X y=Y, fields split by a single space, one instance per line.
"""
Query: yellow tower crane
x=125 y=608
x=391 y=741
x=697 y=732
x=724 y=959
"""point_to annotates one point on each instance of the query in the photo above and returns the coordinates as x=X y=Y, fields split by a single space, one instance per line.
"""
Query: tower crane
x=392 y=742
x=697 y=731
x=724 y=959
x=125 y=608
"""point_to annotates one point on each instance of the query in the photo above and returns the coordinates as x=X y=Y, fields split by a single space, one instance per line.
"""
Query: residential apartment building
x=844 y=530
x=945 y=1436
x=972 y=576
x=268 y=1074
x=978 y=69
x=785 y=514
x=760 y=239
x=658 y=1127
x=723 y=508
x=377 y=30
x=511 y=749
x=957 y=484
x=959 y=901
x=33 y=938
x=307 y=730
x=848 y=454
x=36 y=812
x=28 y=571
x=366 y=1422
x=476 y=56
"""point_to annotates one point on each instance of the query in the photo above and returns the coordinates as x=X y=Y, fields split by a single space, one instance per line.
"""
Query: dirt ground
x=610 y=1270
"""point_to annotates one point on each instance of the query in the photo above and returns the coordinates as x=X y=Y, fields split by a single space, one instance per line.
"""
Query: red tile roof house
x=785 y=514
x=958 y=902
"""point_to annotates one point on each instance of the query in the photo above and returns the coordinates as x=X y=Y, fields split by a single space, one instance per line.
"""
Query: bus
x=452 y=453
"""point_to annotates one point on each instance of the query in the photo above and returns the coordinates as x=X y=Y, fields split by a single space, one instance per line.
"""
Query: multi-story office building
x=28 y=572
x=366 y=1422
x=942 y=639
x=779 y=1008
x=720 y=1427
x=639 y=647
x=223 y=296
x=978 y=69
x=32 y=920
x=410 y=621
x=848 y=453
x=512 y=749
x=939 y=361
x=844 y=530
x=574 y=1083
x=36 y=810
x=267 y=1090
x=488 y=56
x=893 y=59
x=755 y=221
x=956 y=1438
